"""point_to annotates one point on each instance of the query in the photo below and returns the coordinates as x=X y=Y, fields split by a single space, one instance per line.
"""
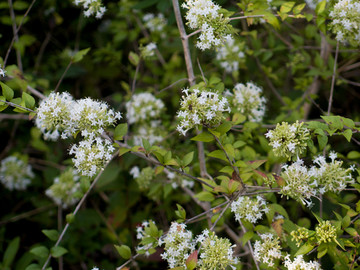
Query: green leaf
x=188 y=158
x=307 y=247
x=203 y=137
x=51 y=234
x=205 y=196
x=10 y=252
x=80 y=55
x=218 y=154
x=320 y=8
x=29 y=100
x=224 y=127
x=70 y=218
x=192 y=260
x=297 y=9
x=334 y=122
x=347 y=134
x=33 y=266
x=58 y=251
x=353 y=155
x=271 y=19
x=348 y=122
x=322 y=252
x=181 y=213
x=286 y=7
x=322 y=140
x=40 y=251
x=134 y=58
x=123 y=150
x=120 y=131
x=246 y=237
x=3 y=105
x=238 y=118
x=146 y=144
x=7 y=92
x=124 y=251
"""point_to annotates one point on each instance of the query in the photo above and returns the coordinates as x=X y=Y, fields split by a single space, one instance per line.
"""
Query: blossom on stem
x=206 y=16
x=231 y=54
x=53 y=115
x=345 y=24
x=15 y=173
x=288 y=140
x=299 y=264
x=66 y=189
x=91 y=155
x=201 y=108
x=92 y=7
x=248 y=101
x=250 y=209
x=268 y=249
x=143 y=107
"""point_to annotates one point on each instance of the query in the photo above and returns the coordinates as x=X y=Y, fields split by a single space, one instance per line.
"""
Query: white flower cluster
x=346 y=21
x=215 y=252
x=152 y=131
x=331 y=176
x=140 y=235
x=155 y=23
x=15 y=173
x=148 y=51
x=248 y=101
x=299 y=184
x=249 y=209
x=231 y=54
x=92 y=7
x=178 y=181
x=91 y=155
x=267 y=250
x=60 y=115
x=144 y=177
x=178 y=245
x=2 y=72
x=288 y=140
x=201 y=108
x=299 y=264
x=91 y=117
x=66 y=190
x=143 y=107
x=205 y=15
x=53 y=116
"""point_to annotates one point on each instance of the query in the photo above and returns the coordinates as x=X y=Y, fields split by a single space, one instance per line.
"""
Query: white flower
x=92 y=7
x=15 y=173
x=143 y=107
x=2 y=72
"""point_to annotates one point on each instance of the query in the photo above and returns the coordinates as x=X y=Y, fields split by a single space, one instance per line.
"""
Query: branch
x=333 y=79
x=16 y=36
x=16 y=106
x=78 y=208
x=63 y=75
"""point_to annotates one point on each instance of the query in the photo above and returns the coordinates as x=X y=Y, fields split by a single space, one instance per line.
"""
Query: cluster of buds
x=249 y=209
x=144 y=177
x=288 y=140
x=345 y=23
x=201 y=108
x=247 y=100
x=268 y=249
x=15 y=173
x=155 y=23
x=92 y=7
x=215 y=252
x=231 y=54
x=206 y=16
x=325 y=232
x=66 y=189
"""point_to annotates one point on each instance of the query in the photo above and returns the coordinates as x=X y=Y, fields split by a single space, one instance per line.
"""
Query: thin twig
x=16 y=36
x=204 y=213
x=250 y=248
x=127 y=262
x=220 y=216
x=185 y=42
x=27 y=214
x=4 y=116
x=62 y=76
x=333 y=79
x=16 y=32
x=16 y=106
x=135 y=76
x=171 y=85
x=80 y=203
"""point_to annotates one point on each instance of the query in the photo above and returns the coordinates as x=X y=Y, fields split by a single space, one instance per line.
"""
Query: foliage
x=189 y=134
